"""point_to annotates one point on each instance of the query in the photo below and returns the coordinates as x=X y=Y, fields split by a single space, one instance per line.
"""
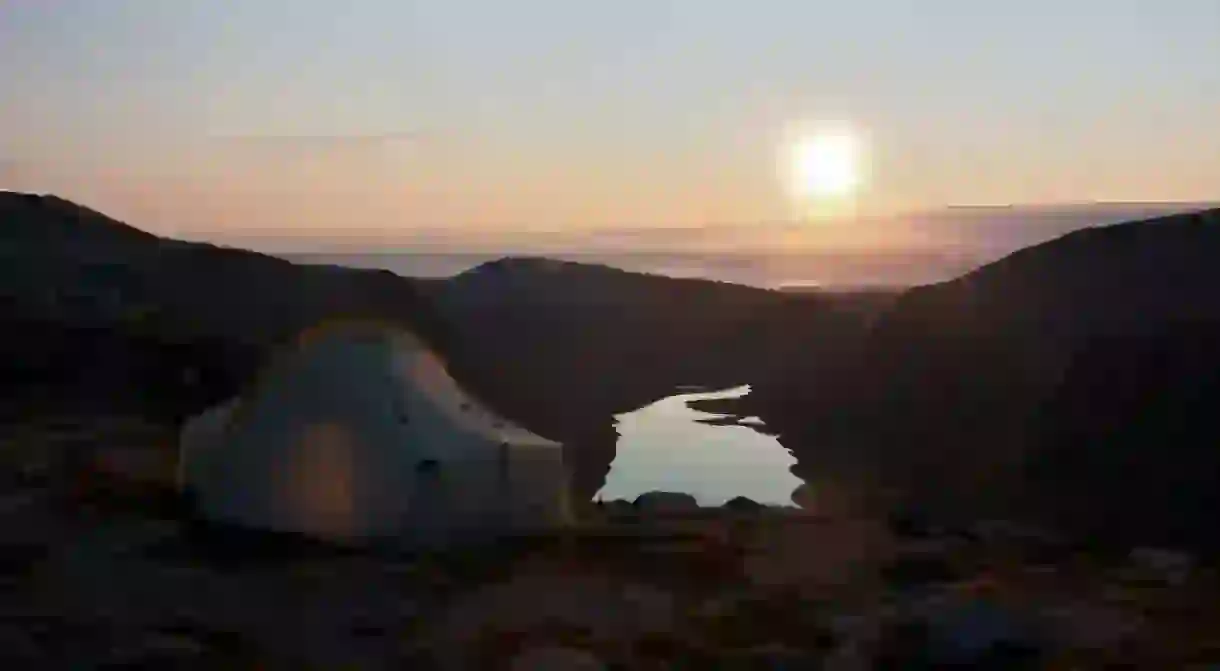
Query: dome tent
x=356 y=431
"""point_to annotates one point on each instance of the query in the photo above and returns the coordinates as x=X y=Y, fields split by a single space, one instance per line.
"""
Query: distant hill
x=85 y=299
x=564 y=346
x=53 y=221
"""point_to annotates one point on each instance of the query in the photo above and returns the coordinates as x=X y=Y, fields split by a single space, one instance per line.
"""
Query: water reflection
x=670 y=446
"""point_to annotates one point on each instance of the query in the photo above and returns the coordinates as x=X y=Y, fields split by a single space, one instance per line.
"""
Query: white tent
x=357 y=431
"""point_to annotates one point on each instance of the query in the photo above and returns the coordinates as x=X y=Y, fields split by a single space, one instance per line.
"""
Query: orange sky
x=550 y=115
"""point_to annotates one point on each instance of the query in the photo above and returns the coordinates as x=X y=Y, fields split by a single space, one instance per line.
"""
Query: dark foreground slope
x=1129 y=446
x=1072 y=382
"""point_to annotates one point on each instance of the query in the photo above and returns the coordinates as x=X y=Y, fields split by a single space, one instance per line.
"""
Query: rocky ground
x=99 y=569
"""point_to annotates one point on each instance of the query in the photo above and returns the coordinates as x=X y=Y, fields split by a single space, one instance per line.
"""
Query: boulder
x=558 y=658
x=1167 y=566
x=666 y=503
x=617 y=509
x=1081 y=625
x=975 y=631
x=742 y=504
x=918 y=569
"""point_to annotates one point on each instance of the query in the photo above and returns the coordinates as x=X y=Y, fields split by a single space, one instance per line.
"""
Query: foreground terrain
x=102 y=569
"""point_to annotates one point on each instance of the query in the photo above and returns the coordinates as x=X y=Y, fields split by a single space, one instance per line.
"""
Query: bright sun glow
x=826 y=164
x=823 y=166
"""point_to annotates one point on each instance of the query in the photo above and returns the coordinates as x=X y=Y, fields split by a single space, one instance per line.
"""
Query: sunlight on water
x=665 y=447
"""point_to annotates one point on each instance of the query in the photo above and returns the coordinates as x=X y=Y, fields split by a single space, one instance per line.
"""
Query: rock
x=803 y=497
x=19 y=502
x=18 y=646
x=833 y=500
x=903 y=645
x=858 y=636
x=742 y=504
x=715 y=608
x=1007 y=531
x=848 y=625
x=666 y=503
x=134 y=472
x=910 y=524
x=775 y=656
x=919 y=569
x=1086 y=626
x=618 y=508
x=1167 y=566
x=162 y=646
x=531 y=600
x=973 y=631
x=556 y=659
x=1028 y=543
x=850 y=657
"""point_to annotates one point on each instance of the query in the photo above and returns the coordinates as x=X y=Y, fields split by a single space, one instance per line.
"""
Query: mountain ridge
x=970 y=396
x=970 y=377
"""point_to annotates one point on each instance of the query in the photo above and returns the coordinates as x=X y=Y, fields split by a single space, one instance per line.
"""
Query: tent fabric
x=357 y=431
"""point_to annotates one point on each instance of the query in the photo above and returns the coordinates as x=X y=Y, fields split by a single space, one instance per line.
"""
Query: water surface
x=665 y=446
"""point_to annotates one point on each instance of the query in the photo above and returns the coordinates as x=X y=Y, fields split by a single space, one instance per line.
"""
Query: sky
x=319 y=118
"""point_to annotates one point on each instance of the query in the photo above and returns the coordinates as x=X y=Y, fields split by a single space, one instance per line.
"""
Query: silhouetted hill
x=962 y=385
x=564 y=346
x=55 y=222
x=75 y=282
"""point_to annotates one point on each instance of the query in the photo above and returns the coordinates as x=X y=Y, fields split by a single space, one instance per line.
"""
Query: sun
x=824 y=165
